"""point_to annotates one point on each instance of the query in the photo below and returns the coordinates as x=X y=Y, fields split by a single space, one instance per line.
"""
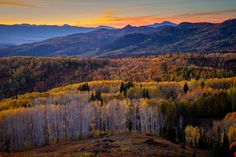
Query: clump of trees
x=125 y=86
x=97 y=96
x=84 y=87
x=185 y=88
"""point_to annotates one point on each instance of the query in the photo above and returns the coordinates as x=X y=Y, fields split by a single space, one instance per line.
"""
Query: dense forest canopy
x=20 y=75
x=188 y=99
x=177 y=111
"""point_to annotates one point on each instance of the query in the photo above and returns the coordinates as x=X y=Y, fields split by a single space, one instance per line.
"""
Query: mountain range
x=26 y=33
x=136 y=41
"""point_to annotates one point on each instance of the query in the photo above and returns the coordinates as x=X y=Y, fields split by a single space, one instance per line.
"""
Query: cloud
x=211 y=16
x=18 y=4
x=208 y=13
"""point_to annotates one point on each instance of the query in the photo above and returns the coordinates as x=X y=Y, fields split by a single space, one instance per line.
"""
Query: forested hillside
x=20 y=75
x=188 y=99
x=187 y=112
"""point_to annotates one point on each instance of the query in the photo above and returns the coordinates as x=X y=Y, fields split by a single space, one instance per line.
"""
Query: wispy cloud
x=219 y=12
x=18 y=4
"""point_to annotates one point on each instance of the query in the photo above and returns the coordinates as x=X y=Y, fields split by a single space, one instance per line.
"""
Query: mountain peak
x=66 y=25
x=105 y=27
x=167 y=22
x=129 y=27
x=164 y=23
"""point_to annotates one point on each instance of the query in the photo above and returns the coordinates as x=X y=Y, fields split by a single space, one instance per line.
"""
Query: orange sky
x=114 y=13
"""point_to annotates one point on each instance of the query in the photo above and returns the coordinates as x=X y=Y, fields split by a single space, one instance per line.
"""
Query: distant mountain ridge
x=165 y=23
x=136 y=41
x=26 y=33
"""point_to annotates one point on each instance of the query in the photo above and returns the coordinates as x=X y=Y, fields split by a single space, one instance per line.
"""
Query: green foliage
x=212 y=104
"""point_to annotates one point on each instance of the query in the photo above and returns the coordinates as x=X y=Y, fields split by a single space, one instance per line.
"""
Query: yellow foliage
x=231 y=133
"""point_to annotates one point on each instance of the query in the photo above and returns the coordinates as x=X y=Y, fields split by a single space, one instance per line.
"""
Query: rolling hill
x=136 y=41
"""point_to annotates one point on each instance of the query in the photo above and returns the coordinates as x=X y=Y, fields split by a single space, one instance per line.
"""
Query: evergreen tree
x=125 y=92
x=147 y=94
x=87 y=87
x=129 y=85
x=98 y=95
x=185 y=88
x=144 y=93
x=92 y=97
x=84 y=87
x=122 y=87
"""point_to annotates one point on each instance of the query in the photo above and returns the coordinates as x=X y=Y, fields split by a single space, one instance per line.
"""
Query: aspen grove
x=173 y=110
x=73 y=118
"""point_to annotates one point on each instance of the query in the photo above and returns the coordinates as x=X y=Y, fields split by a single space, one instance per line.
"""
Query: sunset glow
x=114 y=13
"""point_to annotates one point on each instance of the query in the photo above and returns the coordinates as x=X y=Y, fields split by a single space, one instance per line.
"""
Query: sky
x=116 y=13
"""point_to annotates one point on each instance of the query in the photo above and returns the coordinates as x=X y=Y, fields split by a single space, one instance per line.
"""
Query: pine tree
x=92 y=97
x=87 y=87
x=147 y=94
x=84 y=87
x=122 y=87
x=185 y=88
x=98 y=95
x=129 y=85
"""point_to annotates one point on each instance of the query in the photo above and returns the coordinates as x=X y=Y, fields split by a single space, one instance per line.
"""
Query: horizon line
x=87 y=26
